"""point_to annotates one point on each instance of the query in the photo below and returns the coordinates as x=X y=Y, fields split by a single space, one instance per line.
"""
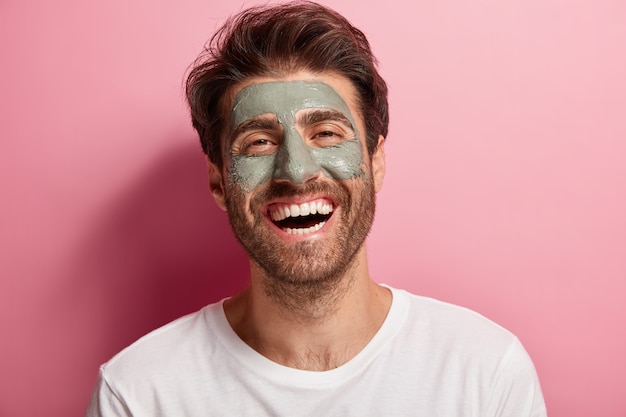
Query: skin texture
x=283 y=102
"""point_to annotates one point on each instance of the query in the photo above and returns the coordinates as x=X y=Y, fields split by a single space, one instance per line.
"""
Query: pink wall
x=505 y=190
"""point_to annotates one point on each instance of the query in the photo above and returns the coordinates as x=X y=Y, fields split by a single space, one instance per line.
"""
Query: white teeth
x=304 y=231
x=281 y=212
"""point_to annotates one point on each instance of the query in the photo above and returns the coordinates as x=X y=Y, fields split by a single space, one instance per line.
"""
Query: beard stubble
x=307 y=272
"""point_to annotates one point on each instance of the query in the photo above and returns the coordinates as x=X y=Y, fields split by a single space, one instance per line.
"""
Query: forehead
x=285 y=99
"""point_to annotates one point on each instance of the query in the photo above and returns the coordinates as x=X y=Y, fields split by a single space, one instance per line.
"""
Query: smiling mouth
x=301 y=219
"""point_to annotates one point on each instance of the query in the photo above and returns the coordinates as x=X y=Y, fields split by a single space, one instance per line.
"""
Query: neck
x=312 y=327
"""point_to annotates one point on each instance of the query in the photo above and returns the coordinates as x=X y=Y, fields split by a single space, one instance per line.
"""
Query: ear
x=378 y=164
x=216 y=184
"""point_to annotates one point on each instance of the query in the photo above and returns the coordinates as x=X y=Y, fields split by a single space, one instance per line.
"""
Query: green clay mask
x=292 y=130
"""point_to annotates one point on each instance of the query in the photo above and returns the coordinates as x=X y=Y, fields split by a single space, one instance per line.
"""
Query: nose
x=294 y=161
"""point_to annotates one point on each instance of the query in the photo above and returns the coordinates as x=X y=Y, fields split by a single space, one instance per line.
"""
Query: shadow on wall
x=164 y=249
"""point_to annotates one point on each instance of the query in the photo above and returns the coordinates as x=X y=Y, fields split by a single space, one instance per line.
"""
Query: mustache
x=288 y=190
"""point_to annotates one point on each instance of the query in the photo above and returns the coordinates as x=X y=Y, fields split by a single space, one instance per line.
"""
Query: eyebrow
x=318 y=116
x=257 y=123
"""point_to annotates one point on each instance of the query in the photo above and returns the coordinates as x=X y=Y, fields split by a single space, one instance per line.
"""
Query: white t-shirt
x=428 y=359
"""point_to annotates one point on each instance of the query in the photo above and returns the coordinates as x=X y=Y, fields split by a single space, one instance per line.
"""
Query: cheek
x=342 y=162
x=250 y=172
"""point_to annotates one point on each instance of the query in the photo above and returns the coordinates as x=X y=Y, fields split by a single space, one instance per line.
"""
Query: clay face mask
x=283 y=110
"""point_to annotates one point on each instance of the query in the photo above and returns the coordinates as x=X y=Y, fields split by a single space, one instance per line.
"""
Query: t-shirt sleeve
x=104 y=402
x=516 y=391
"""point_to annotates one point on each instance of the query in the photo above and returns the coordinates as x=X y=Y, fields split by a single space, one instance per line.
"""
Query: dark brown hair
x=275 y=40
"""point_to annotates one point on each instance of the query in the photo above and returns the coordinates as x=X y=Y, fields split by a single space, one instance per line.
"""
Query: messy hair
x=273 y=41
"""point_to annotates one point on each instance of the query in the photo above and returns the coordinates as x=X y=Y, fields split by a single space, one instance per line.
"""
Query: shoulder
x=171 y=362
x=166 y=349
x=459 y=339
x=442 y=325
x=469 y=354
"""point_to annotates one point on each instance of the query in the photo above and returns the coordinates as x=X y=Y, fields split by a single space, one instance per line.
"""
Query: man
x=292 y=114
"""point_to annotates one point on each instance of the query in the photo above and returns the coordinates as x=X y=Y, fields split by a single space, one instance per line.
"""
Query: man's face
x=298 y=187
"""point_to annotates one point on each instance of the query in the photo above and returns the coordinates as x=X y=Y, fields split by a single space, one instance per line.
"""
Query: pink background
x=505 y=189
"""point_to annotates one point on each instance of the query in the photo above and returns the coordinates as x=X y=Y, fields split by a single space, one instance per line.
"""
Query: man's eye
x=324 y=138
x=258 y=146
x=260 y=142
